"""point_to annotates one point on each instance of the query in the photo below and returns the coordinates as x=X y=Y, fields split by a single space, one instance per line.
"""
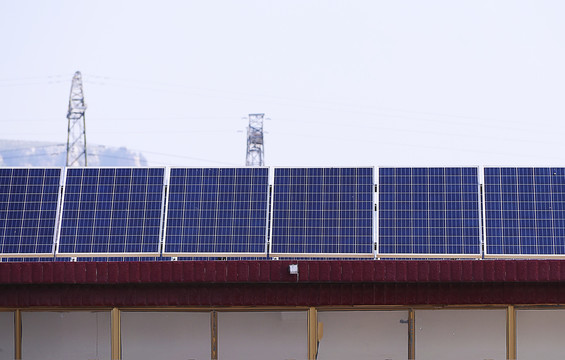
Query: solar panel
x=429 y=212
x=34 y=258
x=29 y=201
x=525 y=212
x=323 y=212
x=112 y=212
x=217 y=212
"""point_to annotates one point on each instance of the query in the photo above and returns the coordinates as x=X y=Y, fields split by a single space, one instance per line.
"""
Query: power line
x=394 y=144
x=188 y=157
x=46 y=77
x=332 y=105
x=30 y=155
x=31 y=147
x=32 y=81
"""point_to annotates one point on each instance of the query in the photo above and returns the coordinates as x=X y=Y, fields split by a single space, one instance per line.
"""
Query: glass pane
x=540 y=334
x=363 y=335
x=262 y=335
x=170 y=335
x=65 y=335
x=7 y=335
x=460 y=334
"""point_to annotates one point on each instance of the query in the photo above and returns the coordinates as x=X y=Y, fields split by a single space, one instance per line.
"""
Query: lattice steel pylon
x=76 y=137
x=255 y=149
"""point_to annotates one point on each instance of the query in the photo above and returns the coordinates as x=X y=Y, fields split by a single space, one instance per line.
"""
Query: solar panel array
x=429 y=212
x=525 y=211
x=112 y=211
x=29 y=201
x=323 y=212
x=217 y=211
x=158 y=213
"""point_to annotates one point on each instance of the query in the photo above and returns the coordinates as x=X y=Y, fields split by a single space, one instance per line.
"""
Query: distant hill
x=36 y=153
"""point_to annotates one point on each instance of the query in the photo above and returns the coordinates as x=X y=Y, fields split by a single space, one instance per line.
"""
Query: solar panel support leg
x=18 y=334
x=116 y=335
x=312 y=333
x=511 y=332
x=411 y=334
x=214 y=334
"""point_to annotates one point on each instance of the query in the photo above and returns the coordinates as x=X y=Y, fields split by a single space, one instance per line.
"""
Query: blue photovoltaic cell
x=323 y=211
x=429 y=211
x=217 y=211
x=112 y=211
x=525 y=211
x=28 y=210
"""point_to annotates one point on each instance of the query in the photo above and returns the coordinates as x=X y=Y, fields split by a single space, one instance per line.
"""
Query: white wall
x=540 y=334
x=440 y=334
x=363 y=335
x=7 y=336
x=460 y=334
x=166 y=335
x=65 y=335
x=262 y=335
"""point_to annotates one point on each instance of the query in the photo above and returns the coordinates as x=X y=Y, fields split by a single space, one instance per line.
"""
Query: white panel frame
x=433 y=255
x=376 y=212
x=111 y=254
x=368 y=255
x=262 y=254
x=515 y=256
x=57 y=216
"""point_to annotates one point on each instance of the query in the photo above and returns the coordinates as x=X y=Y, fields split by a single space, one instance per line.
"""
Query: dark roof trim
x=280 y=294
x=269 y=271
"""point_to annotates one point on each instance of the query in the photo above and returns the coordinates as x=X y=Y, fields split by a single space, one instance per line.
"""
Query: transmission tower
x=255 y=149
x=76 y=137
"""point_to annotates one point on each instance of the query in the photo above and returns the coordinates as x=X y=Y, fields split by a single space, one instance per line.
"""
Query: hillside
x=36 y=153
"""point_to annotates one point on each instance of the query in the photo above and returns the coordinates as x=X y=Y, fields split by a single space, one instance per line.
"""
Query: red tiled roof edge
x=277 y=271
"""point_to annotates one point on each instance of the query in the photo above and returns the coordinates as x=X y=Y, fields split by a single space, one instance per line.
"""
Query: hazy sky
x=344 y=83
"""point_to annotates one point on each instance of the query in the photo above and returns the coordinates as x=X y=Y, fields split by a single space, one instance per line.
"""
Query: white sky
x=345 y=83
